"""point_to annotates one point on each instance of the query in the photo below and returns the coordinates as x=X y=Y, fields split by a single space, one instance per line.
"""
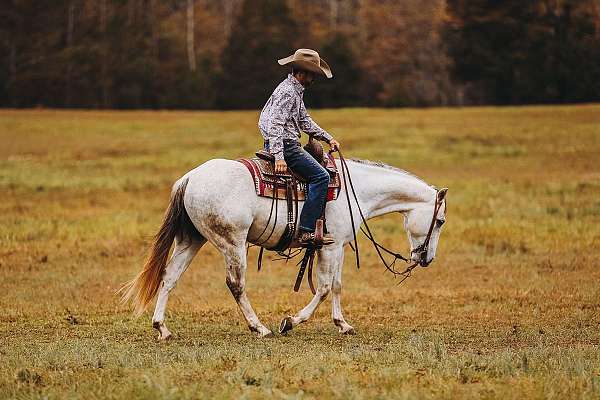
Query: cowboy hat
x=308 y=60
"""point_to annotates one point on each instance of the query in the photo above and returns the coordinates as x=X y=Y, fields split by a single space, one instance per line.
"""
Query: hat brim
x=322 y=69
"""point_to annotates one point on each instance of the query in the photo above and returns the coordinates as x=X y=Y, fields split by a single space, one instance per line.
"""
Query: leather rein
x=390 y=266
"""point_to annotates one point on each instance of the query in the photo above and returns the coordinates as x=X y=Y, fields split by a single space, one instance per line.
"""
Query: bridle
x=421 y=250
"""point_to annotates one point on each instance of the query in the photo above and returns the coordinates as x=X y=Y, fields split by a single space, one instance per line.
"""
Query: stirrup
x=306 y=239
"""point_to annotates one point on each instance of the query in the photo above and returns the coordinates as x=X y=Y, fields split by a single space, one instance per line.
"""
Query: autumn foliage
x=206 y=54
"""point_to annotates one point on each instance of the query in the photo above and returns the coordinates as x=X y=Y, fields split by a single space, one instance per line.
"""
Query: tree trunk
x=12 y=62
x=228 y=19
x=333 y=14
x=70 y=29
x=131 y=10
x=104 y=83
x=154 y=23
x=362 y=24
x=190 y=35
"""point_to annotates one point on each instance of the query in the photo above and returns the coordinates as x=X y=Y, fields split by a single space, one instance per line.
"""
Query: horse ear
x=442 y=194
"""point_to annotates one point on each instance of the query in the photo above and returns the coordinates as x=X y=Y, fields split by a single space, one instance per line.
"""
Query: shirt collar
x=297 y=85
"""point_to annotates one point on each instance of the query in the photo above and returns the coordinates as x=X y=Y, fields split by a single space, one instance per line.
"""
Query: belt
x=291 y=142
x=286 y=141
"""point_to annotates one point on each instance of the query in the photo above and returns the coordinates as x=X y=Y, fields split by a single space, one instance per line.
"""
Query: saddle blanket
x=265 y=180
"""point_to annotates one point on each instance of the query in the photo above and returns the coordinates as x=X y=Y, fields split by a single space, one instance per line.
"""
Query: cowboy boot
x=309 y=238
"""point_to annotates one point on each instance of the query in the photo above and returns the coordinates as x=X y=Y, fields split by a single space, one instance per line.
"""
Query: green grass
x=509 y=309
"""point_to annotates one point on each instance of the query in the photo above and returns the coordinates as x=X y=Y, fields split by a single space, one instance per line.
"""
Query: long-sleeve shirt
x=284 y=116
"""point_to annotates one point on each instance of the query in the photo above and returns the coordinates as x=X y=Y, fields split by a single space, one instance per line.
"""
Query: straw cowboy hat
x=308 y=60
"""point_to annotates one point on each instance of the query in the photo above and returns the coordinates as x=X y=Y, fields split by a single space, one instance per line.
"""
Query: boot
x=305 y=238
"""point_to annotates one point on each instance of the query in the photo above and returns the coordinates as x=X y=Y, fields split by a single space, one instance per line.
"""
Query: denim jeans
x=316 y=176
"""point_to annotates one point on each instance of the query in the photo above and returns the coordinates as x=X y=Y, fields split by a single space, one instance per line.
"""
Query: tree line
x=221 y=54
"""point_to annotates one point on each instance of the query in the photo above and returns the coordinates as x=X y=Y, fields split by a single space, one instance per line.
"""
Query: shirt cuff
x=278 y=156
x=326 y=136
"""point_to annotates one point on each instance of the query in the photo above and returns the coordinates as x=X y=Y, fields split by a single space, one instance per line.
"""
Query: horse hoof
x=286 y=325
x=349 y=331
x=163 y=333
x=266 y=335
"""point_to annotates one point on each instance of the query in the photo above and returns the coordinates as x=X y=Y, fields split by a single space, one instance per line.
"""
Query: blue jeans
x=317 y=178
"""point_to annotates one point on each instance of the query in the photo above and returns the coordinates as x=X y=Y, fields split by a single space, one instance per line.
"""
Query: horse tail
x=176 y=224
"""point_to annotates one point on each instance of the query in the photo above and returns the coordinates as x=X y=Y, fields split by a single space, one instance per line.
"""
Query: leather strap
x=290 y=228
x=260 y=255
x=307 y=260
x=310 y=275
x=319 y=231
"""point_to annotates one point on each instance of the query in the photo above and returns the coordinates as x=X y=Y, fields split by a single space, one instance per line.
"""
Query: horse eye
x=440 y=222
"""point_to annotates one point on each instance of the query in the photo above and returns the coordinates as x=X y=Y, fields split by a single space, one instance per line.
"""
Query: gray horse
x=205 y=209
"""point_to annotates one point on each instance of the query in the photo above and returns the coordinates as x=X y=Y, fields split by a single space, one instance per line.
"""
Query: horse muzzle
x=419 y=256
x=425 y=263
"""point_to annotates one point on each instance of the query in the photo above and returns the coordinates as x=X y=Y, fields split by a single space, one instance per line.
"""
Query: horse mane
x=383 y=165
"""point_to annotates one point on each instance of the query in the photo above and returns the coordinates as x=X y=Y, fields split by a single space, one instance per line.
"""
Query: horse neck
x=382 y=190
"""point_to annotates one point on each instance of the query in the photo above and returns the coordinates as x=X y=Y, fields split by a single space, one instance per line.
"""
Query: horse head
x=423 y=225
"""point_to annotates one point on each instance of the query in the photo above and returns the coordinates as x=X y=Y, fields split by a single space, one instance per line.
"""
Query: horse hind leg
x=235 y=264
x=182 y=256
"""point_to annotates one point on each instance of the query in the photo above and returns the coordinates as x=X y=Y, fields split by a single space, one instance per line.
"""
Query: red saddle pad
x=265 y=180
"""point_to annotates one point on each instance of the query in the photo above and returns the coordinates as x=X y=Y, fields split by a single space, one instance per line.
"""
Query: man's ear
x=441 y=195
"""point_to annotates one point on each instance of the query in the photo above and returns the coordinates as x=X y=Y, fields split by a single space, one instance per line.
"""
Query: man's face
x=306 y=78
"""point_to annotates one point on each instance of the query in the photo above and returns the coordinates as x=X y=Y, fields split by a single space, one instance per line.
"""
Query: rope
x=367 y=231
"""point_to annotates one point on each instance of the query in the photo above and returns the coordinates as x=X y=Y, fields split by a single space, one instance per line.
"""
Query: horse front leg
x=182 y=256
x=327 y=258
x=336 y=299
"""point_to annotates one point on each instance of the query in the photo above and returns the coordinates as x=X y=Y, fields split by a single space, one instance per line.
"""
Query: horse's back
x=219 y=188
x=215 y=176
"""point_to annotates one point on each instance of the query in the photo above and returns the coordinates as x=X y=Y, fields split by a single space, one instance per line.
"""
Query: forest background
x=221 y=54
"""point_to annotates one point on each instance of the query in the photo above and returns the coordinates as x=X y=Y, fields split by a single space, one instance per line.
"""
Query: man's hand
x=280 y=166
x=334 y=144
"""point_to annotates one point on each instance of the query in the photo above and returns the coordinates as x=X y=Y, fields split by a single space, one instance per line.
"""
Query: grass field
x=509 y=309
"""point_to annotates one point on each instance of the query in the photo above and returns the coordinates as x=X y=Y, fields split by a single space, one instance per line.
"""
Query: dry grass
x=510 y=309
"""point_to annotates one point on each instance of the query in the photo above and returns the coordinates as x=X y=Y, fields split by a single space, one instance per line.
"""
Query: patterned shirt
x=284 y=116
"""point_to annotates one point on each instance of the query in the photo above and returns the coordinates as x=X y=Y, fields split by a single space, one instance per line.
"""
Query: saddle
x=268 y=184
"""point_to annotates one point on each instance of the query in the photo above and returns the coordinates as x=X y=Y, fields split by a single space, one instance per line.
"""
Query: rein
x=367 y=231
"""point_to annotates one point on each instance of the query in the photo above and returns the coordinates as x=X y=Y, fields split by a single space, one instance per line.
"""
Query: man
x=281 y=120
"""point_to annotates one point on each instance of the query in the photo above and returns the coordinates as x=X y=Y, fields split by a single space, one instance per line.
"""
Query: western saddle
x=269 y=184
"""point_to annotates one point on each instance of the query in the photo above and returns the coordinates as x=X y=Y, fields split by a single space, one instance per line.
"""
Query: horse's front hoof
x=345 y=329
x=348 y=331
x=286 y=325
x=261 y=331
